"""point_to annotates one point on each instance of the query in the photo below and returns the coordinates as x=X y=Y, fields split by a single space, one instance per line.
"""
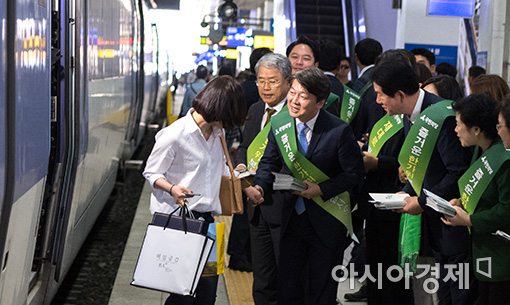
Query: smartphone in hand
x=190 y=195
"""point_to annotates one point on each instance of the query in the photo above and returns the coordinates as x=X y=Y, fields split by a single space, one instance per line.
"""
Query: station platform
x=234 y=287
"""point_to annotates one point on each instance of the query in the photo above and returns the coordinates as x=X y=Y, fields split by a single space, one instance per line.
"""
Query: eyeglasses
x=499 y=126
x=345 y=67
x=271 y=83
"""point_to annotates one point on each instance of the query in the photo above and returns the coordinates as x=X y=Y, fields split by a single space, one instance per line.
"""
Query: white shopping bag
x=171 y=260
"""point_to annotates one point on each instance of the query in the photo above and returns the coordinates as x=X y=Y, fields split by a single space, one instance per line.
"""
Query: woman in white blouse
x=188 y=158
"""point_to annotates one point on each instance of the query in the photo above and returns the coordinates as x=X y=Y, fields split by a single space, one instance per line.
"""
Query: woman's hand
x=179 y=194
x=462 y=218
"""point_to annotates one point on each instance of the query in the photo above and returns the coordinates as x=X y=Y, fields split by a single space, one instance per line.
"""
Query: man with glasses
x=273 y=73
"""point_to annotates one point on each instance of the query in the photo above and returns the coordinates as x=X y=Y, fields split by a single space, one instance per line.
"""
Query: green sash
x=414 y=158
x=419 y=144
x=257 y=147
x=283 y=127
x=475 y=180
x=351 y=102
x=382 y=131
x=331 y=99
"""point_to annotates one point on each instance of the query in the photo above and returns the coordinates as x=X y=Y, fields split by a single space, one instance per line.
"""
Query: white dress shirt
x=278 y=108
x=417 y=107
x=182 y=156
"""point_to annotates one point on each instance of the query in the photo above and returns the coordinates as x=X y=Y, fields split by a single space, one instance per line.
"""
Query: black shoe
x=358 y=296
x=239 y=264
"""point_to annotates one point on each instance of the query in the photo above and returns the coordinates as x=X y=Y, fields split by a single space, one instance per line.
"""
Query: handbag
x=180 y=222
x=231 y=195
x=172 y=260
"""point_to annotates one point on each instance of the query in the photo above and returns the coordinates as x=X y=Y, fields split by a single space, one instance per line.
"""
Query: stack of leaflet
x=502 y=234
x=388 y=201
x=439 y=204
x=287 y=183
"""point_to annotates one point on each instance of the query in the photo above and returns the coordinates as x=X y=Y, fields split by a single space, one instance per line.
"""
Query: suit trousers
x=306 y=265
x=265 y=241
x=382 y=248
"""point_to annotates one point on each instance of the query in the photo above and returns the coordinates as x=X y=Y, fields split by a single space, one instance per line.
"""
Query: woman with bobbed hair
x=444 y=86
x=188 y=158
x=493 y=85
x=484 y=205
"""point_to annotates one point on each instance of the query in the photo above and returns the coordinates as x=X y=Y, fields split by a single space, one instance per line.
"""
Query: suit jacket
x=334 y=151
x=369 y=111
x=448 y=163
x=271 y=212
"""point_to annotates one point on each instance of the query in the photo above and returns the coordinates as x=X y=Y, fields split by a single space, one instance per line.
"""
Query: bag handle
x=227 y=156
x=183 y=210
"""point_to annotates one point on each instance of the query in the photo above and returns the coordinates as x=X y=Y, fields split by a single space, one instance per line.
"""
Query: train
x=81 y=81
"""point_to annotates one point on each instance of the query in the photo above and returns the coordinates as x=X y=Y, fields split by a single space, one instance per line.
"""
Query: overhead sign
x=454 y=8
x=443 y=53
x=263 y=41
x=236 y=37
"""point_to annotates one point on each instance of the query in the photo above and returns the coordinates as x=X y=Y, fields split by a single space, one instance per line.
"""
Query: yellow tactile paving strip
x=238 y=283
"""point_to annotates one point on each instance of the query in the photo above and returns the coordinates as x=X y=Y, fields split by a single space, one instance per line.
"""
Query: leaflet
x=388 y=201
x=439 y=204
x=288 y=182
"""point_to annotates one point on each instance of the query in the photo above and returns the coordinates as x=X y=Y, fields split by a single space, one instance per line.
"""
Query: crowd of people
x=403 y=125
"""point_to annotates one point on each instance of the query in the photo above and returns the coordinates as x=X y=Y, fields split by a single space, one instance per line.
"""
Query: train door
x=67 y=131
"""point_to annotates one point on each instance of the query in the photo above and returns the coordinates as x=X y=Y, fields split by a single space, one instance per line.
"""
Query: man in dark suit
x=397 y=89
x=239 y=246
x=313 y=239
x=273 y=76
x=330 y=61
x=366 y=51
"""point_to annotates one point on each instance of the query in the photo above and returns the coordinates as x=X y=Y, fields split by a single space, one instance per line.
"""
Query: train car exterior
x=73 y=85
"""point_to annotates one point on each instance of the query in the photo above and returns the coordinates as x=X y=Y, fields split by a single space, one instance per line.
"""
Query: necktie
x=270 y=112
x=303 y=142
x=303 y=145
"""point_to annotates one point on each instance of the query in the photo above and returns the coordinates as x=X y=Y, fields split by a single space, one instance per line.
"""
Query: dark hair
x=227 y=69
x=222 y=99
x=307 y=41
x=493 y=85
x=367 y=50
x=446 y=68
x=479 y=110
x=447 y=87
x=423 y=72
x=256 y=55
x=201 y=72
x=315 y=82
x=330 y=54
x=393 y=76
x=425 y=53
x=399 y=55
x=504 y=109
x=475 y=71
